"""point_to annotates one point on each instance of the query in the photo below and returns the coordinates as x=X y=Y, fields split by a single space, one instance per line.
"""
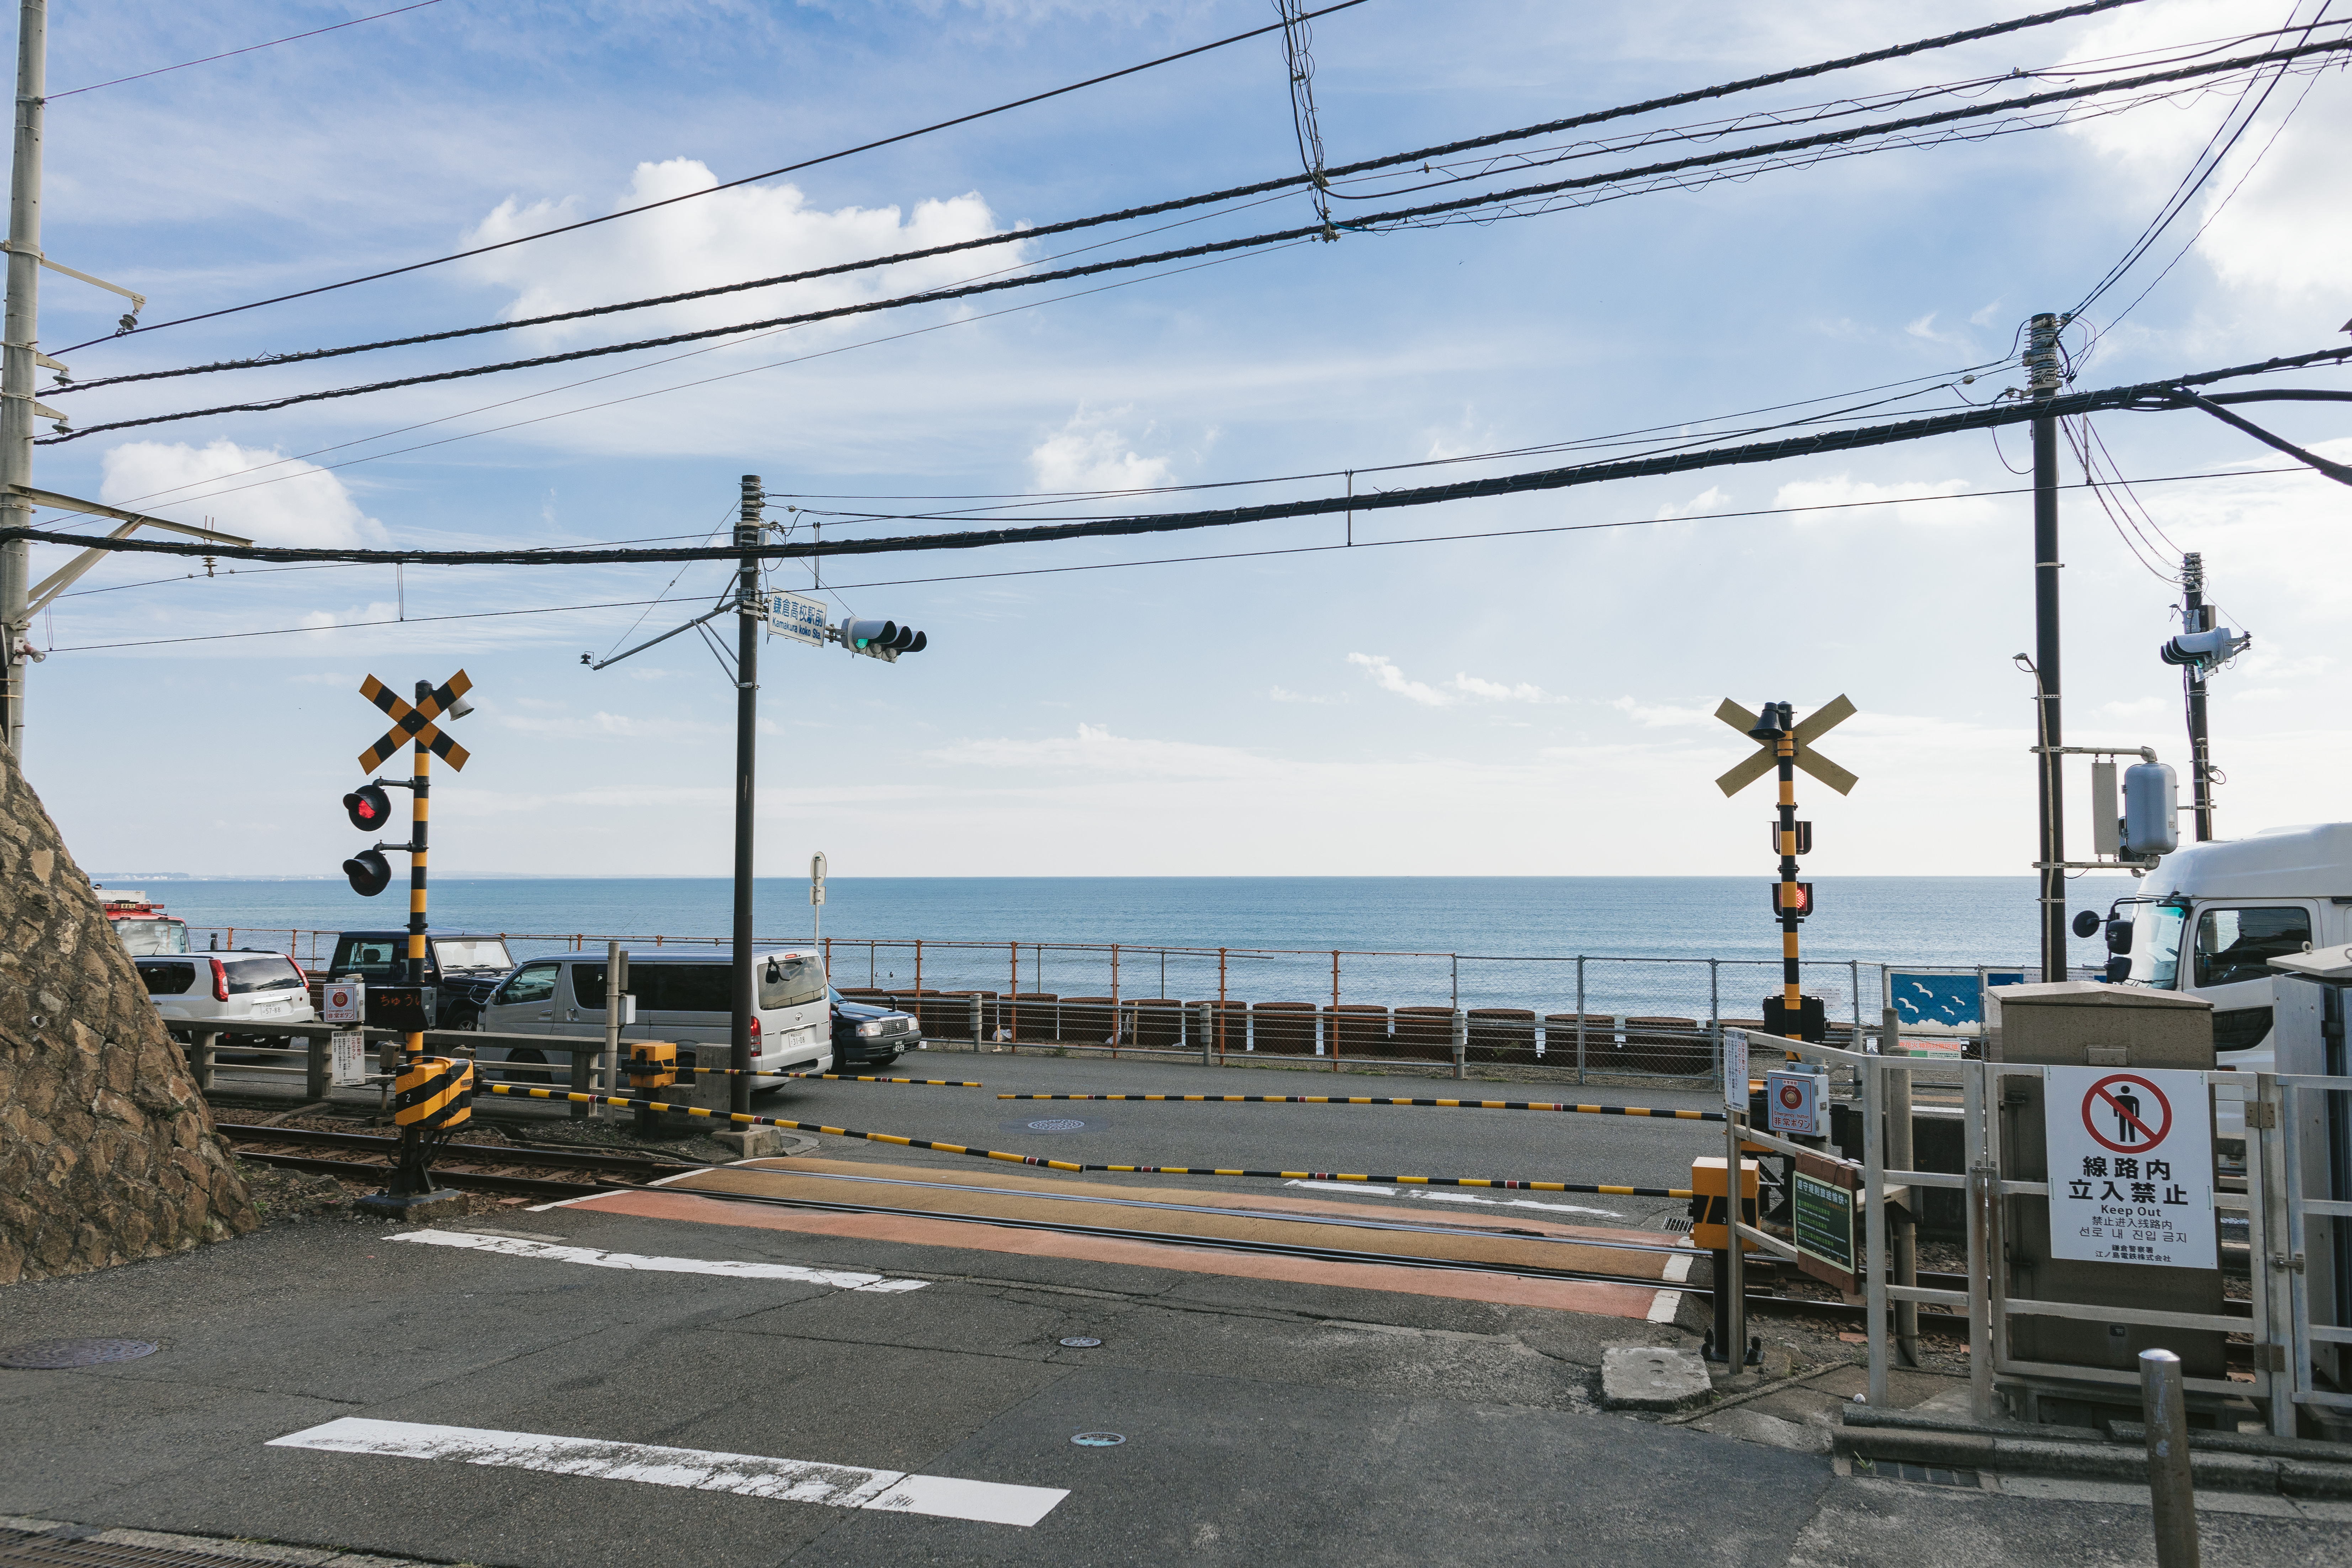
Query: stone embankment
x=107 y=1151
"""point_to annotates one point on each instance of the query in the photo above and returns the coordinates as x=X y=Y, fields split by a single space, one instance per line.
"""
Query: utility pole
x=2196 y=617
x=18 y=369
x=748 y=527
x=2041 y=367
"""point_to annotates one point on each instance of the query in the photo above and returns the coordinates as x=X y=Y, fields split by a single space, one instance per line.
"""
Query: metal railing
x=2293 y=1351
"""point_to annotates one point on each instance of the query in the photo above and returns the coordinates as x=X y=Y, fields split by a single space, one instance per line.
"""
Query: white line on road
x=514 y=1247
x=748 y=1475
x=1451 y=1197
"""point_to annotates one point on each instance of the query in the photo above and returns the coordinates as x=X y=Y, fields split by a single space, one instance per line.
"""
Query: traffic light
x=1804 y=899
x=370 y=873
x=883 y=639
x=368 y=807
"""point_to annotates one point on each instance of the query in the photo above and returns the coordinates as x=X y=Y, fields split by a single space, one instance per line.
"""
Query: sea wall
x=107 y=1151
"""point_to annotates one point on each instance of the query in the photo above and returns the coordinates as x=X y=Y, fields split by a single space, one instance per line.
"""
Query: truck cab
x=140 y=923
x=2209 y=918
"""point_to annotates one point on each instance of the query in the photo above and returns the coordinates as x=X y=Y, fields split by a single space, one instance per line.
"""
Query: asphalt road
x=1263 y=1422
x=1617 y=1151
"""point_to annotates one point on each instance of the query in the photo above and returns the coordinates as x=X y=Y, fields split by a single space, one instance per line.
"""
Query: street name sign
x=795 y=615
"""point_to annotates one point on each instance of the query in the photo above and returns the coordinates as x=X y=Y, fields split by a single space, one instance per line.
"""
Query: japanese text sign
x=2131 y=1166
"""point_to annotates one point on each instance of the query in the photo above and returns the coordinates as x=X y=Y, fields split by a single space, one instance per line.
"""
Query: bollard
x=1461 y=1042
x=974 y=1002
x=314 y=1068
x=206 y=1046
x=2171 y=1489
x=1208 y=1039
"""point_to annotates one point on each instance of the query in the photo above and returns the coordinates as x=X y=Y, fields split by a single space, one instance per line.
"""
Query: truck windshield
x=2155 y=945
x=141 y=937
x=474 y=953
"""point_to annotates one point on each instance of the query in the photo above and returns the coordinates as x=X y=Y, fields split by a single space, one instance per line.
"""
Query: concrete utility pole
x=18 y=369
x=747 y=750
x=2196 y=617
x=2042 y=368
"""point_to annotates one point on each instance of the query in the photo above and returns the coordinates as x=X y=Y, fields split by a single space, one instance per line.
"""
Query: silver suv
x=238 y=994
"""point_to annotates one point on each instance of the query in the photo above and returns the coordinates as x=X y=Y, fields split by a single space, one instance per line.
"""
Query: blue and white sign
x=795 y=615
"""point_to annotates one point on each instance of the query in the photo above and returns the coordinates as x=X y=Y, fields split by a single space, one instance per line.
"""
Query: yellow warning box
x=653 y=1064
x=433 y=1092
x=1708 y=1231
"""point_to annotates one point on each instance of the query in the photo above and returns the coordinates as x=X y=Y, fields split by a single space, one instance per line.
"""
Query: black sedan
x=866 y=1037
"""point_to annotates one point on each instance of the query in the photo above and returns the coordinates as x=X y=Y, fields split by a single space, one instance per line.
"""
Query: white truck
x=2208 y=919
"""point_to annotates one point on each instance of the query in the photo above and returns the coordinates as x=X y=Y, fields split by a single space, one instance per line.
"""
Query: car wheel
x=527 y=1055
x=468 y=1020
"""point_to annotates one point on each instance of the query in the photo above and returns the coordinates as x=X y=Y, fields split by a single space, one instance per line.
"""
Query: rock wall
x=107 y=1152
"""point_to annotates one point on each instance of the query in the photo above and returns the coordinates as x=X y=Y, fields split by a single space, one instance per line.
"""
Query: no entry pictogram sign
x=2131 y=1166
x=2127 y=1112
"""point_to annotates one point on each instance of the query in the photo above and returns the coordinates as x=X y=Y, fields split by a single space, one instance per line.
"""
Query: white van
x=2209 y=918
x=688 y=1000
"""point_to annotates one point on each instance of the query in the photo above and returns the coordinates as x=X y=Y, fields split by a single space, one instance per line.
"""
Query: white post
x=616 y=980
x=17 y=370
x=1873 y=1209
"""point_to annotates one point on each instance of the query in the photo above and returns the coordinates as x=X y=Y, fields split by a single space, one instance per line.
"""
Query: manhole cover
x=1058 y=1124
x=1081 y=1342
x=53 y=1355
x=1098 y=1439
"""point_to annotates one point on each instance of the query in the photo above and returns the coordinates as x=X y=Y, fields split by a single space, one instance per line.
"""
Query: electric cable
x=1214 y=247
x=753 y=179
x=1008 y=236
x=2169 y=392
x=1223 y=555
x=232 y=54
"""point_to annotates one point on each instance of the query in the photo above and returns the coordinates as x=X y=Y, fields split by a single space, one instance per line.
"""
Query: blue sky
x=1535 y=704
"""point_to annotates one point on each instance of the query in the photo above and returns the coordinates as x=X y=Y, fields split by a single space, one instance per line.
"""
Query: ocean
x=1517 y=938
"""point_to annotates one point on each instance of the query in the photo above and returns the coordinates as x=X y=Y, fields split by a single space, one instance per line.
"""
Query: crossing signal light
x=368 y=807
x=1804 y=900
x=370 y=873
x=882 y=637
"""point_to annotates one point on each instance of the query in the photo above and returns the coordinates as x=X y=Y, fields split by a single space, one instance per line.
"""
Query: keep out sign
x=2131 y=1166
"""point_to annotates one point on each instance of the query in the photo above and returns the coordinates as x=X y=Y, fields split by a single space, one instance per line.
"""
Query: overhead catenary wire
x=1209 y=248
x=232 y=54
x=745 y=180
x=1031 y=234
x=1537 y=530
x=2167 y=393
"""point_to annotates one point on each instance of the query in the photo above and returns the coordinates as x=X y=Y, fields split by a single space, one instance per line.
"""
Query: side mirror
x=2119 y=969
x=2086 y=922
x=2119 y=936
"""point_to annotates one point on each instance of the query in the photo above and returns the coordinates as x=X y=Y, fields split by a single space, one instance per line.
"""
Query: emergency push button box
x=1708 y=1230
x=653 y=1064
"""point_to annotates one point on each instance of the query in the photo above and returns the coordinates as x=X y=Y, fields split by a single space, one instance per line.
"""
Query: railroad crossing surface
x=695 y=1373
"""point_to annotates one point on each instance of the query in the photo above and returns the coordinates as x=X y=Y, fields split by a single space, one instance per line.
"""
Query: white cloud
x=1862 y=499
x=307 y=506
x=1282 y=694
x=1389 y=678
x=1661 y=716
x=752 y=231
x=1089 y=453
x=1714 y=498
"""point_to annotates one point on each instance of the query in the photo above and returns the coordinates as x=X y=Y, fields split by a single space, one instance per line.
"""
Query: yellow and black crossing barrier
x=927 y=1082
x=433 y=1093
x=1365 y=1099
x=743 y=1119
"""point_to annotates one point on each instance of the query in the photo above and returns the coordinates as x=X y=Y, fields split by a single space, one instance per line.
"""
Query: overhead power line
x=746 y=180
x=1402 y=215
x=1161 y=560
x=1153 y=209
x=2169 y=392
x=232 y=54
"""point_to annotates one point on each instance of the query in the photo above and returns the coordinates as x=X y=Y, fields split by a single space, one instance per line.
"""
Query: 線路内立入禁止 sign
x=2131 y=1166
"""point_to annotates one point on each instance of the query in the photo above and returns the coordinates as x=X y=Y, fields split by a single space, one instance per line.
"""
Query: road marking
x=514 y=1247
x=696 y=1469
x=1427 y=1195
x=1667 y=1303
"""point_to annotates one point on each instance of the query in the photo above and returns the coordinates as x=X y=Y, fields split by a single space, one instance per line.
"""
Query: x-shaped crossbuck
x=415 y=724
x=1819 y=721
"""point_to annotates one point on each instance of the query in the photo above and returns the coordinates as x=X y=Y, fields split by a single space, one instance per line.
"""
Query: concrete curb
x=2088 y=1461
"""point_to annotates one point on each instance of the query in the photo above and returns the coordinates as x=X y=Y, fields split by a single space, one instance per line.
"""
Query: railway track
x=474 y=1167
